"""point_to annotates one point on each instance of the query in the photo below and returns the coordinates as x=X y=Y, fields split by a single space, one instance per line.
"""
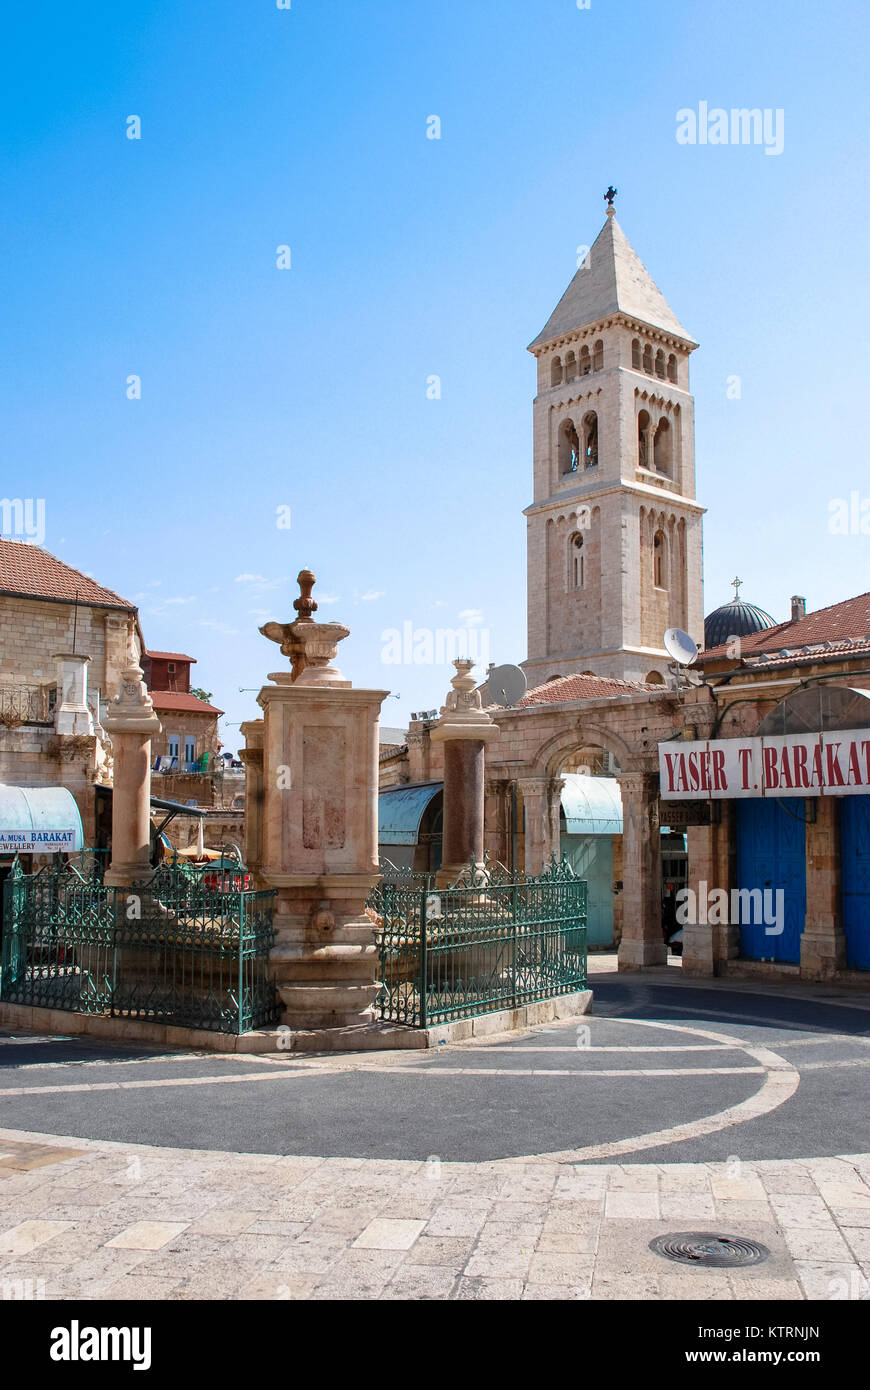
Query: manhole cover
x=711 y=1251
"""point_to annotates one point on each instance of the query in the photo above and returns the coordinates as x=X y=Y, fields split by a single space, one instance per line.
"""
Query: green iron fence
x=489 y=942
x=184 y=947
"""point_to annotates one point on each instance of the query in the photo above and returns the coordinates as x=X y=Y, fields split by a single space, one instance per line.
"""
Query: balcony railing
x=167 y=762
x=26 y=704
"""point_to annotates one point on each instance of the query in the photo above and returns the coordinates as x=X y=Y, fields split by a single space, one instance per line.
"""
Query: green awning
x=400 y=811
x=592 y=805
x=39 y=820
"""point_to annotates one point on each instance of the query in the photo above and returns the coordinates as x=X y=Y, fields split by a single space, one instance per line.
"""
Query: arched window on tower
x=672 y=368
x=635 y=354
x=648 y=360
x=660 y=568
x=598 y=356
x=660 y=364
x=569 y=447
x=643 y=439
x=590 y=440
x=556 y=372
x=654 y=678
x=663 y=448
x=576 y=562
x=570 y=367
x=585 y=362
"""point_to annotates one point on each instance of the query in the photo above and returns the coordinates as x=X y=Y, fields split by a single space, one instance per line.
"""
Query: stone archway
x=642 y=944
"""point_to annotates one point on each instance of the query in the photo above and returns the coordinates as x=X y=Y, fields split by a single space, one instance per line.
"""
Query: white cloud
x=471 y=617
x=218 y=627
x=328 y=598
x=371 y=594
x=258 y=612
x=260 y=582
x=190 y=599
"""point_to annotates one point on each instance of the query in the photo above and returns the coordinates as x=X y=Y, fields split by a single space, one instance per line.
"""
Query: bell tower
x=614 y=531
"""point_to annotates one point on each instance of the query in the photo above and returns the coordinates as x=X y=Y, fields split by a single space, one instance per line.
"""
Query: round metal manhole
x=709 y=1250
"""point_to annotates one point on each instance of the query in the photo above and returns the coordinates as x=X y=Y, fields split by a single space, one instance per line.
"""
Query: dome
x=735 y=619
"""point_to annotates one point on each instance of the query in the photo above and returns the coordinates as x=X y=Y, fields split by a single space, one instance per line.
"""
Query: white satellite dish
x=506 y=685
x=680 y=646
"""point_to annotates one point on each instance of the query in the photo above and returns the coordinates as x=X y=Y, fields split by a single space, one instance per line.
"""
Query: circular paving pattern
x=657 y=1073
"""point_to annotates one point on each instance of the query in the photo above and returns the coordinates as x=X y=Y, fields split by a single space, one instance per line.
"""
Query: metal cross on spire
x=736 y=583
x=610 y=195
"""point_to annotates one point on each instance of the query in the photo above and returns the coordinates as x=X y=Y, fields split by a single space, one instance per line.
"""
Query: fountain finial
x=305 y=605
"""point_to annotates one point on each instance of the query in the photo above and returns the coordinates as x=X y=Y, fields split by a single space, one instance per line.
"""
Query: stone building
x=186 y=757
x=63 y=646
x=789 y=707
x=614 y=559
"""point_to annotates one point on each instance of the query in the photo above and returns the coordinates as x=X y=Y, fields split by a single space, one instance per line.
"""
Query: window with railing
x=26 y=704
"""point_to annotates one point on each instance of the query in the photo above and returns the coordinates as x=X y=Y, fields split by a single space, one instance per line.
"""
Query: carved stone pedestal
x=318 y=824
x=464 y=729
x=131 y=723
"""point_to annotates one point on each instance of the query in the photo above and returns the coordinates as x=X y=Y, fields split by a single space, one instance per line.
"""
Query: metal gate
x=855 y=856
x=184 y=947
x=492 y=941
x=771 y=857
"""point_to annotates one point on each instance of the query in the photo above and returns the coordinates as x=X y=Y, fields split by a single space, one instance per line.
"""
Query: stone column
x=706 y=945
x=72 y=715
x=541 y=796
x=131 y=723
x=464 y=729
x=319 y=837
x=496 y=817
x=252 y=756
x=823 y=944
x=642 y=941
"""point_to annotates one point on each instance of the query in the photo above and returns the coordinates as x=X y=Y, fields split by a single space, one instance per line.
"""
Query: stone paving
x=87 y=1220
x=92 y=1219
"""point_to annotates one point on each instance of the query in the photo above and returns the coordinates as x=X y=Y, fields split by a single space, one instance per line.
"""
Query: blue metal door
x=771 y=856
x=591 y=858
x=855 y=856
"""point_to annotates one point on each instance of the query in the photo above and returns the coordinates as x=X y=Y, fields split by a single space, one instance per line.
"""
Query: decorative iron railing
x=176 y=948
x=25 y=704
x=491 y=941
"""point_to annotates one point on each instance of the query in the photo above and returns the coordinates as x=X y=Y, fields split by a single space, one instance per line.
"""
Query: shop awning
x=39 y=820
x=592 y=805
x=400 y=811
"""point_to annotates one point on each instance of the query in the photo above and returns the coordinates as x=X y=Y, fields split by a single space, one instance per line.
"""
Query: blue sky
x=306 y=387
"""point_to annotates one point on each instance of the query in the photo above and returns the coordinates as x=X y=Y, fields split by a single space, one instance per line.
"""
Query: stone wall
x=33 y=631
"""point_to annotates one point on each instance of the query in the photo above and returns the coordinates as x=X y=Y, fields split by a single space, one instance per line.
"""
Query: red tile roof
x=179 y=700
x=29 y=570
x=847 y=620
x=583 y=688
x=170 y=656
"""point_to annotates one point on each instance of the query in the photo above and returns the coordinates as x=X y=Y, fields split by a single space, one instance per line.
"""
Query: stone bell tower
x=614 y=531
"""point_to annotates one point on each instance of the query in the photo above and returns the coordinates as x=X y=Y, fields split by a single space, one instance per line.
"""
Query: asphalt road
x=656 y=1058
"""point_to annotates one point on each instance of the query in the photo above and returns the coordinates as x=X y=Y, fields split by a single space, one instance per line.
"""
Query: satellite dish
x=680 y=646
x=507 y=685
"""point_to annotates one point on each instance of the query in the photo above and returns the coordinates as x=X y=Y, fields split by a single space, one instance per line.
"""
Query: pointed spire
x=612 y=278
